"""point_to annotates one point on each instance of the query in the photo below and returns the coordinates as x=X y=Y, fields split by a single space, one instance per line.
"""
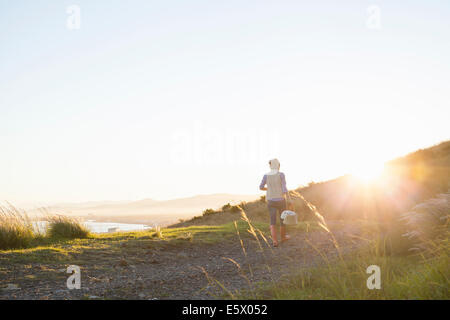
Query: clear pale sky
x=165 y=99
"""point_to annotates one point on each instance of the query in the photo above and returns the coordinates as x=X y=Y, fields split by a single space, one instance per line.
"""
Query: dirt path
x=179 y=272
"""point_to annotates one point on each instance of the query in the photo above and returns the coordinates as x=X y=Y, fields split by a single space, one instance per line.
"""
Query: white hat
x=274 y=166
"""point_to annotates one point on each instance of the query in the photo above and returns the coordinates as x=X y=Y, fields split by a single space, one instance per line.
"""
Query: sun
x=367 y=171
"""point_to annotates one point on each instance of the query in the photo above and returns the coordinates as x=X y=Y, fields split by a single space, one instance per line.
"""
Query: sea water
x=99 y=227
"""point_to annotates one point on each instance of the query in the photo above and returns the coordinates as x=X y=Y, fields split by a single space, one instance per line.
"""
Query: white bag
x=289 y=217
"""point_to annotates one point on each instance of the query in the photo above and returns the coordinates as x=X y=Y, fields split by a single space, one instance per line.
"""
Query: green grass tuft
x=66 y=227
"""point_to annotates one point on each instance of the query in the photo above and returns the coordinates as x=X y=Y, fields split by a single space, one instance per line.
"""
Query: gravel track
x=178 y=272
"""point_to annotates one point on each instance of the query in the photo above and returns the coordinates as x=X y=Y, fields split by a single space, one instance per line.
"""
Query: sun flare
x=367 y=171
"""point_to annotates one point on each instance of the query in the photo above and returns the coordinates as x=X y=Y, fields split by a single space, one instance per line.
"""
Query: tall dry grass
x=427 y=224
x=419 y=276
x=245 y=270
x=16 y=229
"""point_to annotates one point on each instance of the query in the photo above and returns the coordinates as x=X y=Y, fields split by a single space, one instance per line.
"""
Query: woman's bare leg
x=273 y=231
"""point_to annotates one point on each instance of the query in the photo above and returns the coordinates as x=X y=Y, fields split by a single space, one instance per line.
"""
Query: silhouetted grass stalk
x=321 y=220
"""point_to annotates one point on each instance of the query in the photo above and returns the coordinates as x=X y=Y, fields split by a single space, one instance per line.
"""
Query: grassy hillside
x=405 y=182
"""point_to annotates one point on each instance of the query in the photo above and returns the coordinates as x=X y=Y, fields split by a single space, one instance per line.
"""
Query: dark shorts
x=275 y=209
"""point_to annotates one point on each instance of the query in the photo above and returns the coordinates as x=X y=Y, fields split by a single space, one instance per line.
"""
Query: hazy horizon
x=169 y=100
x=34 y=204
x=126 y=201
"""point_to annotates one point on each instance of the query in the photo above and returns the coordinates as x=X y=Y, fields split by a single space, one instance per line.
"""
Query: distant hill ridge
x=174 y=207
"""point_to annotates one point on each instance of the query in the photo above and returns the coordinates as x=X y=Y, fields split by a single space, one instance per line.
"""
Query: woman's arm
x=283 y=183
x=284 y=188
x=263 y=183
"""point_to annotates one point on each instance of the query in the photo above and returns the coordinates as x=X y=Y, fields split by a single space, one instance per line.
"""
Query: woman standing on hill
x=275 y=196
